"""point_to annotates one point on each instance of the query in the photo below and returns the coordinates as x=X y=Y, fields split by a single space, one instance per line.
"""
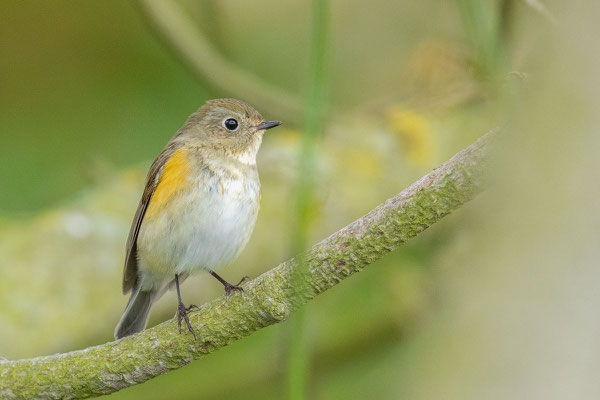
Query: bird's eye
x=230 y=124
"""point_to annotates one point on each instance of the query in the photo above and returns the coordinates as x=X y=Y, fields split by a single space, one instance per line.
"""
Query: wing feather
x=130 y=270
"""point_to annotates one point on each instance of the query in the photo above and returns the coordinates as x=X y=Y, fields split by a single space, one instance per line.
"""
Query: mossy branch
x=266 y=300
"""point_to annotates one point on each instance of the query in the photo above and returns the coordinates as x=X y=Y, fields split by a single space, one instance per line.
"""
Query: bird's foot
x=229 y=287
x=182 y=314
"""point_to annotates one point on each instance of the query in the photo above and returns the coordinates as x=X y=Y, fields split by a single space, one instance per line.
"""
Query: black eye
x=231 y=124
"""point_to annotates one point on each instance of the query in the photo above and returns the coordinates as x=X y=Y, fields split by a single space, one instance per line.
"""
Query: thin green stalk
x=314 y=122
x=486 y=31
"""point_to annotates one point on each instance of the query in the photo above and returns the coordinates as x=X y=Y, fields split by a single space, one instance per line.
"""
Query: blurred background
x=498 y=300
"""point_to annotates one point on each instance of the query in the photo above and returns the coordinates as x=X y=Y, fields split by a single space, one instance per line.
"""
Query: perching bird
x=198 y=208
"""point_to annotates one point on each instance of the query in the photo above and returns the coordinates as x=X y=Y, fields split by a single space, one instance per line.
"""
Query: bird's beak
x=267 y=125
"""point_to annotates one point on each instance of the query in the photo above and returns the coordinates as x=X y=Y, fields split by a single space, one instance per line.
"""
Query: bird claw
x=182 y=312
x=229 y=287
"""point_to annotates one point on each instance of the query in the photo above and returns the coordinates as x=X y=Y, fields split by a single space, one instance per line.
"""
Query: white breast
x=205 y=227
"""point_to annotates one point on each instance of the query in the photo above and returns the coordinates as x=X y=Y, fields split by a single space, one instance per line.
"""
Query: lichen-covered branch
x=266 y=300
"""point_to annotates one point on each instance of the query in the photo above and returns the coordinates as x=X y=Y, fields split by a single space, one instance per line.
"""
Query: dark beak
x=267 y=125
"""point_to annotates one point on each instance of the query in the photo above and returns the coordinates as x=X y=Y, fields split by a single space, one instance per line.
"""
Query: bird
x=198 y=209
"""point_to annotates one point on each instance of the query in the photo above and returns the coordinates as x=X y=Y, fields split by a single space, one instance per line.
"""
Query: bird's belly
x=204 y=228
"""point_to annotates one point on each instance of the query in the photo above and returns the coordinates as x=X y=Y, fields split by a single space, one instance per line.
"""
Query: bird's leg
x=228 y=286
x=182 y=310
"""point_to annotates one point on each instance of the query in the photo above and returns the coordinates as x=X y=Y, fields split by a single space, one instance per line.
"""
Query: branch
x=266 y=300
x=178 y=31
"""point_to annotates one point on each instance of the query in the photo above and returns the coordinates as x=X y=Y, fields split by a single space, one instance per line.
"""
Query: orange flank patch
x=173 y=179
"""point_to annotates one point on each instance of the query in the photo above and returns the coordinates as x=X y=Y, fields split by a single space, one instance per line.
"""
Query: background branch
x=180 y=33
x=267 y=299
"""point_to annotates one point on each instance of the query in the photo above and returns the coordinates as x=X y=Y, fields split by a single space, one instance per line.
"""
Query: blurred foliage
x=415 y=133
x=479 y=307
x=81 y=84
x=87 y=84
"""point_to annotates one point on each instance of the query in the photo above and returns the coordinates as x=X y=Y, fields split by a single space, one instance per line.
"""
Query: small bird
x=198 y=208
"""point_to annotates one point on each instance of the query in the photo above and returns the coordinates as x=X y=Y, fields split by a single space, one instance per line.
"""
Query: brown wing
x=130 y=270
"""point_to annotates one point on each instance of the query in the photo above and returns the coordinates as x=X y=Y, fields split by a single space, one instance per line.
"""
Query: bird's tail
x=135 y=316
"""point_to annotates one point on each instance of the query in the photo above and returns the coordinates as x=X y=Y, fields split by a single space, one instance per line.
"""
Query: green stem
x=483 y=26
x=314 y=122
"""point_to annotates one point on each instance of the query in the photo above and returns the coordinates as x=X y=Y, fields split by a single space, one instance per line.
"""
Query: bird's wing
x=130 y=270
